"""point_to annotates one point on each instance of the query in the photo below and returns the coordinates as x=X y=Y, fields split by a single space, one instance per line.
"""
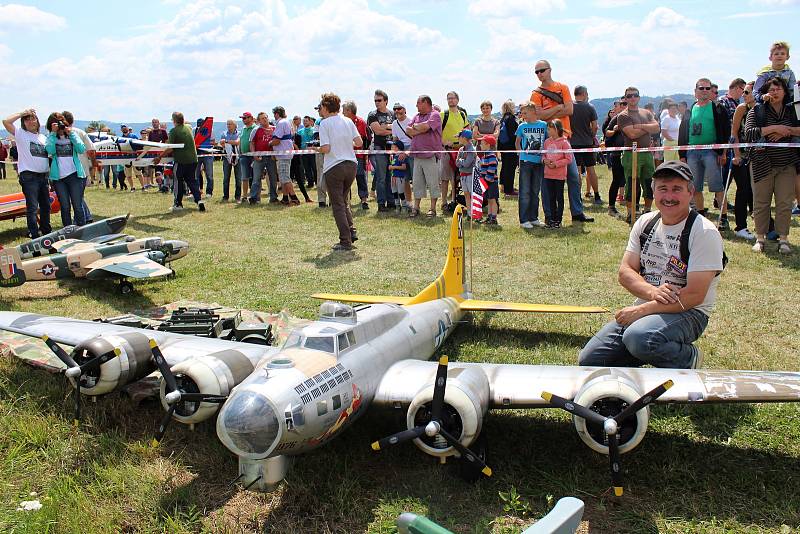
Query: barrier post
x=634 y=181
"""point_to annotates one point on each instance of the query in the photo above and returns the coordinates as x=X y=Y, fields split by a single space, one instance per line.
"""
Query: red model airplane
x=13 y=205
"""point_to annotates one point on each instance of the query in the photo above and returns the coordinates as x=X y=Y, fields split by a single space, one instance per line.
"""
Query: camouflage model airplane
x=73 y=258
x=281 y=402
x=102 y=231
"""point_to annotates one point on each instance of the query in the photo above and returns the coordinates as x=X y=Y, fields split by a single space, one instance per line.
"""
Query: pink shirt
x=561 y=159
x=430 y=140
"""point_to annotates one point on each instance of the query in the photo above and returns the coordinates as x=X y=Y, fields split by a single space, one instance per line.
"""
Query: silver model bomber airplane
x=281 y=402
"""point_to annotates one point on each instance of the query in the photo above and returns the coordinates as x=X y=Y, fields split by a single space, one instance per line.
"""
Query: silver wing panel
x=175 y=347
x=520 y=386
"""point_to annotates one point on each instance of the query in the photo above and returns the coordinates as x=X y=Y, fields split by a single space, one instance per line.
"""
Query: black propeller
x=174 y=394
x=610 y=425
x=435 y=427
x=76 y=372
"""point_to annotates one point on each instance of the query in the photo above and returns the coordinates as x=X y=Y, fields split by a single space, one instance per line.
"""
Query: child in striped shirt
x=488 y=170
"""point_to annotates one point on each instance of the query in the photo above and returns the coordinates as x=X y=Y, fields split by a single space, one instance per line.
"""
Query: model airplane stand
x=564 y=518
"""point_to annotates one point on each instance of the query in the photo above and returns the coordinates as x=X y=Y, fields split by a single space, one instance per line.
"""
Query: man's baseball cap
x=674 y=169
x=245 y=115
x=489 y=140
x=398 y=105
x=466 y=134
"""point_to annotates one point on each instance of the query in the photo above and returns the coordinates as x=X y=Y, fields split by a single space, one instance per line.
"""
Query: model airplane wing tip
x=487 y=471
x=618 y=491
x=376 y=446
x=496 y=305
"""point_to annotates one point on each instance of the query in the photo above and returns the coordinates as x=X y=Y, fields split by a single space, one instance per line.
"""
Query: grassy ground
x=701 y=469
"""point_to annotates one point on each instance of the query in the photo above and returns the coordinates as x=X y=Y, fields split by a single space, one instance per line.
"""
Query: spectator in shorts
x=425 y=131
x=282 y=141
x=584 y=132
x=488 y=170
x=670 y=125
x=637 y=125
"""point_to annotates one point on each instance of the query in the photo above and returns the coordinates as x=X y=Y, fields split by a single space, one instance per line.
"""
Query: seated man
x=671 y=265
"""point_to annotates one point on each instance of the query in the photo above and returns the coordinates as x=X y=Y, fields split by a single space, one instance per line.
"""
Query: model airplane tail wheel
x=125 y=287
x=434 y=427
x=599 y=415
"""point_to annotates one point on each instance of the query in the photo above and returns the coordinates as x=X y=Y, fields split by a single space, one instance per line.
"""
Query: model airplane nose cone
x=610 y=427
x=73 y=372
x=247 y=424
x=172 y=397
x=178 y=248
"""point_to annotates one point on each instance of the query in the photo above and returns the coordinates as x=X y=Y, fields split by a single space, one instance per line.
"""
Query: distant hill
x=602 y=105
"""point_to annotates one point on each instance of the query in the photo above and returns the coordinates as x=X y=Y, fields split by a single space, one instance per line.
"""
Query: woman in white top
x=669 y=132
x=33 y=167
x=66 y=172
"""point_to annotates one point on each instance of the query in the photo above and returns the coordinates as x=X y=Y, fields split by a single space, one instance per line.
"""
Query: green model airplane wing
x=127 y=266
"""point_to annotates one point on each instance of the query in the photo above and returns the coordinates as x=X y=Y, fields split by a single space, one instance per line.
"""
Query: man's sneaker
x=758 y=247
x=527 y=225
x=208 y=195
x=382 y=208
x=537 y=223
x=796 y=210
x=773 y=236
x=582 y=218
x=253 y=201
x=364 y=206
x=201 y=205
x=175 y=209
x=353 y=236
x=784 y=248
x=598 y=201
x=744 y=233
x=612 y=212
x=697 y=359
x=323 y=205
x=724 y=224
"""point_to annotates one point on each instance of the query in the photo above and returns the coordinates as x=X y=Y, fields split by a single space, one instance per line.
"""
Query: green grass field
x=715 y=469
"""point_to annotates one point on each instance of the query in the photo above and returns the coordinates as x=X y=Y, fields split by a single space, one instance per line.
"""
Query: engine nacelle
x=466 y=400
x=608 y=391
x=216 y=374
x=133 y=363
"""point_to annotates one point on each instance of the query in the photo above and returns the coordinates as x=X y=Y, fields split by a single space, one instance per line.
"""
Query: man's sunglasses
x=747 y=92
x=703 y=88
x=632 y=95
x=539 y=71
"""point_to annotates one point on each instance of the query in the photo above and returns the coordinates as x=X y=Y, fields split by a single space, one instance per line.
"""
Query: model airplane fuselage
x=13 y=206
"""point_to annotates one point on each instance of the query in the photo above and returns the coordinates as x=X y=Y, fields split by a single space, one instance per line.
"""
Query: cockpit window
x=343 y=342
x=293 y=340
x=325 y=344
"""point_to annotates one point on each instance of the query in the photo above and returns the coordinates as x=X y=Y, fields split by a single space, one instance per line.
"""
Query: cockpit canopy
x=328 y=339
x=336 y=311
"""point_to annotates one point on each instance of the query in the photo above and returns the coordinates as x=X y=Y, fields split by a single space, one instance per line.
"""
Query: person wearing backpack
x=454 y=121
x=506 y=140
x=671 y=265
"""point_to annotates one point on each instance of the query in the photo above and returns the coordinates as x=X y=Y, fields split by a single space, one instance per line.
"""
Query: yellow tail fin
x=451 y=282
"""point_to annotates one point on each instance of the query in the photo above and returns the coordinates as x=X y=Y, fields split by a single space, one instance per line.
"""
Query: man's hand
x=54 y=127
x=666 y=294
x=626 y=316
x=721 y=160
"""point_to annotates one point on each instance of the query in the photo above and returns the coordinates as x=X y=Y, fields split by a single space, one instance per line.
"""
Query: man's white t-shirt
x=337 y=131
x=84 y=157
x=399 y=129
x=671 y=125
x=31 y=151
x=661 y=256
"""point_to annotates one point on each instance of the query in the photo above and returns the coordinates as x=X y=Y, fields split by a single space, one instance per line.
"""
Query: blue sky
x=131 y=61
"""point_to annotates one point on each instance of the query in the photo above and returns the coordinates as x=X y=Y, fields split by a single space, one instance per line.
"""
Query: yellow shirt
x=455 y=125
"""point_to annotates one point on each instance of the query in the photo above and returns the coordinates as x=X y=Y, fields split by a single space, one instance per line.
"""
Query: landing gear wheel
x=467 y=471
x=125 y=287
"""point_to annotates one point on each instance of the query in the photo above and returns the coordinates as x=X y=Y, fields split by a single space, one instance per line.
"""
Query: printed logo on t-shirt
x=39 y=151
x=63 y=150
x=677 y=265
x=661 y=263
x=697 y=128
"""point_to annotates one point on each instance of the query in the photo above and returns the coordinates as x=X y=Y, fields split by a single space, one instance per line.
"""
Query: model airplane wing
x=128 y=266
x=367 y=299
x=490 y=305
x=521 y=386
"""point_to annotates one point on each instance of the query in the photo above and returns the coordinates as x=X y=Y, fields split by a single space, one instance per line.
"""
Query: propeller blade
x=643 y=401
x=203 y=397
x=439 y=389
x=400 y=437
x=162 y=428
x=466 y=454
x=616 y=467
x=95 y=363
x=163 y=366
x=59 y=352
x=573 y=408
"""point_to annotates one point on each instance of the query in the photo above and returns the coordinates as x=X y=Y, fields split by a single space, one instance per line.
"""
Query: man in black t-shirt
x=380 y=122
x=584 y=130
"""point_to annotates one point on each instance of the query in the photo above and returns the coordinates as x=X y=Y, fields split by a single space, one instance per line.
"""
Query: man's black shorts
x=584 y=159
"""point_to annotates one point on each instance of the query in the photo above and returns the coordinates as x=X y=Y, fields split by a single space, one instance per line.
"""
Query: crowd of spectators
x=440 y=152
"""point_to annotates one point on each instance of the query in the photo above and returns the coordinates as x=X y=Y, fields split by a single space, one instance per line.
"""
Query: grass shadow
x=332 y=259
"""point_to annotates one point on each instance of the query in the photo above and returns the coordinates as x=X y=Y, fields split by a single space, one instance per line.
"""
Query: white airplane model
x=113 y=150
x=281 y=402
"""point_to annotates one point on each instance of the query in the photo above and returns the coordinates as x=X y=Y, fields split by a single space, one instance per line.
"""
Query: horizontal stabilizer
x=129 y=266
x=491 y=305
x=367 y=299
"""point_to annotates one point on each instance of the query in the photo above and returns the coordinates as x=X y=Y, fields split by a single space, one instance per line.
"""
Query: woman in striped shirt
x=774 y=168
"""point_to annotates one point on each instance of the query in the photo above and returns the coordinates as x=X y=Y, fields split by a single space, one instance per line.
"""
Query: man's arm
x=554 y=112
x=380 y=129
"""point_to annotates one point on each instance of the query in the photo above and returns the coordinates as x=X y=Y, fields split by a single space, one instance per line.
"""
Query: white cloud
x=29 y=17
x=664 y=17
x=511 y=8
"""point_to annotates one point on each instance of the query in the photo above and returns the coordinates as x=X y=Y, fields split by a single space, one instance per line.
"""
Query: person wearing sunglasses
x=552 y=100
x=638 y=125
x=705 y=123
x=380 y=122
x=740 y=166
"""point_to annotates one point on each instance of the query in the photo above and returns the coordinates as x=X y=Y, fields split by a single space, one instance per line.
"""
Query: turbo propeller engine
x=445 y=417
x=611 y=415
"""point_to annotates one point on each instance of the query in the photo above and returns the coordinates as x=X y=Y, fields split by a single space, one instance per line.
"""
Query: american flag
x=478 y=187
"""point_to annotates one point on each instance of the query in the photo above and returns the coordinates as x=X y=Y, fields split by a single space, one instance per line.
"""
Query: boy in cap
x=488 y=170
x=465 y=161
x=398 y=166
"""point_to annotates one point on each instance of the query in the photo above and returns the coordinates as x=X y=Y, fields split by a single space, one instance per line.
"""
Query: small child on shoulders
x=465 y=162
x=555 y=169
x=488 y=170
x=399 y=167
x=778 y=55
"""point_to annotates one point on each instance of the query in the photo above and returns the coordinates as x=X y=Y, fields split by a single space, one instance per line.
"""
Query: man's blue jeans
x=207 y=165
x=246 y=166
x=226 y=179
x=268 y=163
x=70 y=195
x=530 y=185
x=383 y=182
x=36 y=189
x=573 y=191
x=661 y=340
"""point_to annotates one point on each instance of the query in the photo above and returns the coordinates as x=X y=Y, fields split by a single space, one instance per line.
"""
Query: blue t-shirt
x=306 y=135
x=399 y=173
x=532 y=136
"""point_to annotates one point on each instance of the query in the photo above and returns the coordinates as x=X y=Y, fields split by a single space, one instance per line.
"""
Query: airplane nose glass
x=250 y=422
